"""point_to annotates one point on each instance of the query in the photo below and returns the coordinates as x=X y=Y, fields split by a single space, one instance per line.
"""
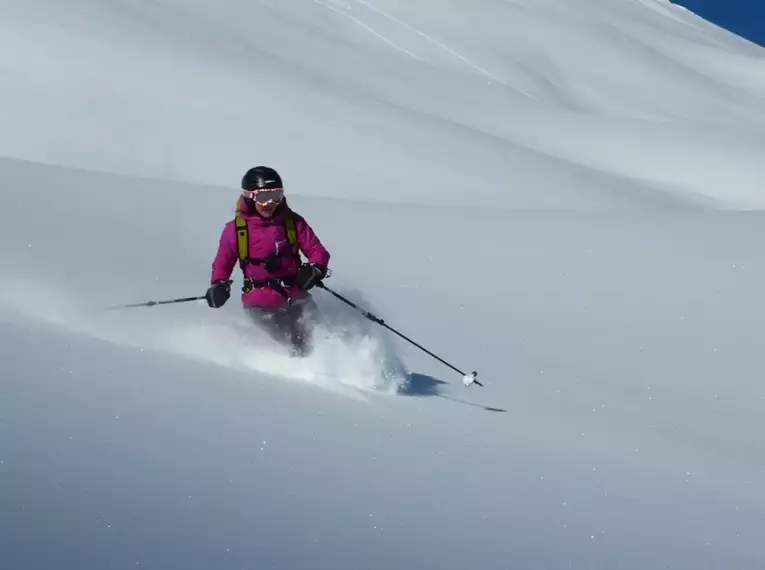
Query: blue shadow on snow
x=420 y=385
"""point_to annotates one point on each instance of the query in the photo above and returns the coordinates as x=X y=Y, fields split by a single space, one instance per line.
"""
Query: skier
x=266 y=237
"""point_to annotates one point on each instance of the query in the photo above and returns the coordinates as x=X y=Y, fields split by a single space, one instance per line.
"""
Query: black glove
x=218 y=294
x=310 y=275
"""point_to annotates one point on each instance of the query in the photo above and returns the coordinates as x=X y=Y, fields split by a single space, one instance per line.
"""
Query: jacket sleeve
x=227 y=255
x=309 y=243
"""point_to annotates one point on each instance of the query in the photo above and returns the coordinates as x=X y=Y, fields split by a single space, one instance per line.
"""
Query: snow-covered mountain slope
x=535 y=104
x=550 y=192
x=618 y=427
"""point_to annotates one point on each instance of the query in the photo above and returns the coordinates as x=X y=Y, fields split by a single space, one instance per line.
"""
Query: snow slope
x=564 y=195
x=547 y=103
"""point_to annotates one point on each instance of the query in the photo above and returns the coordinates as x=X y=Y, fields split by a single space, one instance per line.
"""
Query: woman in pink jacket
x=276 y=282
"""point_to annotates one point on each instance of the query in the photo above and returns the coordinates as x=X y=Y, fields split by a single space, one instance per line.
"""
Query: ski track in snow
x=421 y=34
x=444 y=47
x=370 y=30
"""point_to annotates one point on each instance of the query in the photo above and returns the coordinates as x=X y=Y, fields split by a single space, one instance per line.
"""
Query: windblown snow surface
x=565 y=195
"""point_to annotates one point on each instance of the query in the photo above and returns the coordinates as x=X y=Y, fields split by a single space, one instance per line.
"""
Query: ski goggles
x=265 y=196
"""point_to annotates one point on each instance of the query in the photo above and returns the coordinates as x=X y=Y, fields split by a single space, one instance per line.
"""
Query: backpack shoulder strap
x=242 y=235
x=289 y=224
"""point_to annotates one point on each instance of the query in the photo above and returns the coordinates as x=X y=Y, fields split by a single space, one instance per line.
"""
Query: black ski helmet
x=261 y=177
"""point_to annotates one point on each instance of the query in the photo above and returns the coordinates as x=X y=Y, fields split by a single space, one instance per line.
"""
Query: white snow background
x=566 y=195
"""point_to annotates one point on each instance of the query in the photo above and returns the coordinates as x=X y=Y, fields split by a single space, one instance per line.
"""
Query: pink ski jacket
x=268 y=240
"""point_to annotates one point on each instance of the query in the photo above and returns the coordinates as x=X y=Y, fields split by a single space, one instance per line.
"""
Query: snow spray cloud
x=349 y=357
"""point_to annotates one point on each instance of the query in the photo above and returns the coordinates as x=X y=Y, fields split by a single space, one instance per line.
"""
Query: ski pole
x=152 y=303
x=467 y=379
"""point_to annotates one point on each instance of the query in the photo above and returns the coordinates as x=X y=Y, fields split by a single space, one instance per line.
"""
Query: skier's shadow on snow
x=419 y=385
